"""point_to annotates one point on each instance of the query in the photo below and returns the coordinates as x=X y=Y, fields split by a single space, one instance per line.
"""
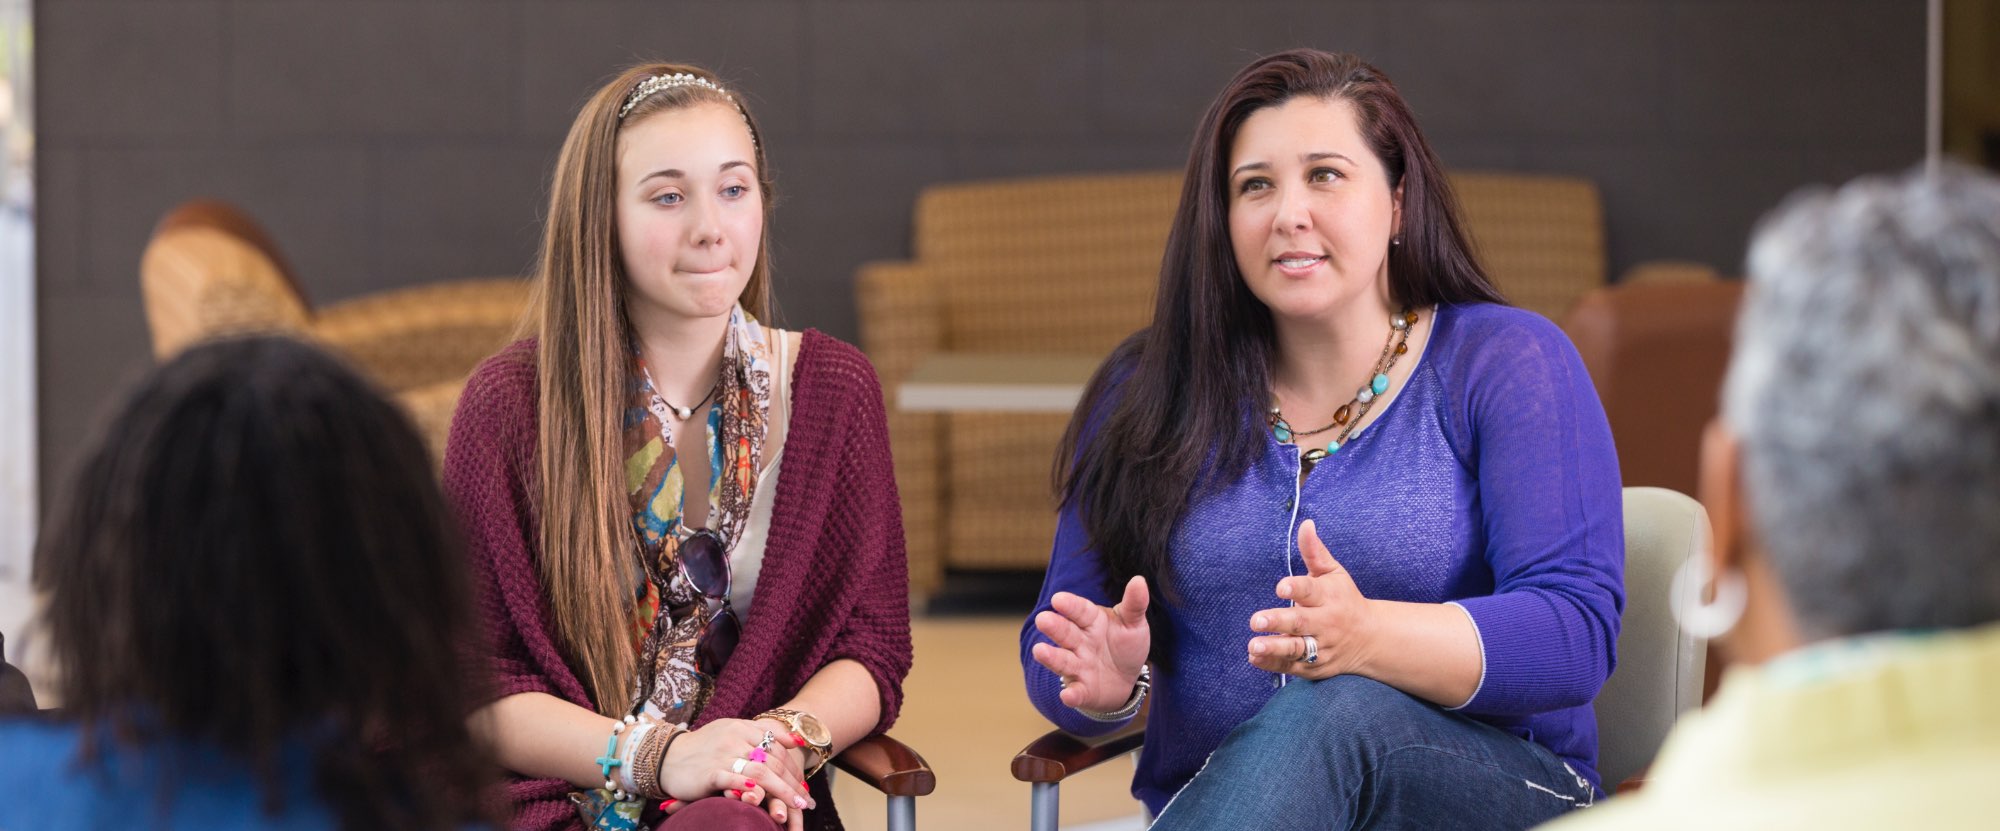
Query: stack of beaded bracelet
x=611 y=760
x=647 y=759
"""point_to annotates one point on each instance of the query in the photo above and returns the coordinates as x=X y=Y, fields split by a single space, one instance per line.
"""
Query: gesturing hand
x=1328 y=607
x=1097 y=651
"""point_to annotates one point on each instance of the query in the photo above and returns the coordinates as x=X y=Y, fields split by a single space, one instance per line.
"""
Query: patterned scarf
x=667 y=620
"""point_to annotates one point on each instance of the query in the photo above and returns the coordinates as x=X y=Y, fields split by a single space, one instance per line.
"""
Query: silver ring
x=1312 y=649
x=767 y=742
x=739 y=765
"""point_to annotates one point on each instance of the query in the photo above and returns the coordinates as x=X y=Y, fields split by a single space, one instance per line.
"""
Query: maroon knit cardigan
x=834 y=582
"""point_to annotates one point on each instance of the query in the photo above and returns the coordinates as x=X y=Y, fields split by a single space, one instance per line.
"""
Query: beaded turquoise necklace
x=1350 y=414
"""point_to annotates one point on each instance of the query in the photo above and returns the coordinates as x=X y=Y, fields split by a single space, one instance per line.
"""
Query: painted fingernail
x=749 y=783
x=800 y=801
x=669 y=804
x=735 y=793
x=798 y=739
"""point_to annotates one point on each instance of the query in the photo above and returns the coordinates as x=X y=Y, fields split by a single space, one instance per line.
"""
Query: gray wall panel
x=390 y=142
x=311 y=69
x=147 y=70
x=568 y=49
x=313 y=200
x=454 y=210
x=952 y=67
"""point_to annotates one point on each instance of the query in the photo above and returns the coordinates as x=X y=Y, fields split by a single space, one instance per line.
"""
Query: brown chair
x=210 y=270
x=1067 y=265
x=1061 y=264
x=1656 y=346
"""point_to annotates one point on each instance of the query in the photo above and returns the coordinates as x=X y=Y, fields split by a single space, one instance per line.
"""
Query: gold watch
x=818 y=739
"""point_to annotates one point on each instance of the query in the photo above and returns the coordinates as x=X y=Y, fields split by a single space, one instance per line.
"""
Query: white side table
x=996 y=382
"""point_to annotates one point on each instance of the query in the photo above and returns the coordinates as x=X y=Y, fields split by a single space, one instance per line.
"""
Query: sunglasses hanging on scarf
x=704 y=564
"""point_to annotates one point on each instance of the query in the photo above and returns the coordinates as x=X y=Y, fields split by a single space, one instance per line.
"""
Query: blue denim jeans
x=1350 y=752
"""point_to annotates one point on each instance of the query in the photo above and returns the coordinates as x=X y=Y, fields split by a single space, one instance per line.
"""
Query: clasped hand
x=704 y=762
x=1327 y=606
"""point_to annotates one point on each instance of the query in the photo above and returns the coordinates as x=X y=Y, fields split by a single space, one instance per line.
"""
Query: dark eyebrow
x=672 y=173
x=1307 y=158
x=1250 y=166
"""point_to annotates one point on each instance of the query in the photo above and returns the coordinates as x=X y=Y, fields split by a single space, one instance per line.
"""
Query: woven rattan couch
x=1067 y=265
x=210 y=270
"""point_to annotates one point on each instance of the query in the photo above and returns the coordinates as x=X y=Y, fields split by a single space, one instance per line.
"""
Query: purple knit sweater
x=834 y=582
x=1491 y=482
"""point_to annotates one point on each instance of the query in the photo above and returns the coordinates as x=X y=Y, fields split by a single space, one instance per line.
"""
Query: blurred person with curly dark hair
x=255 y=600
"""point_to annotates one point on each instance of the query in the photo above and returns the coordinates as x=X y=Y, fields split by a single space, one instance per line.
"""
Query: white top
x=747 y=560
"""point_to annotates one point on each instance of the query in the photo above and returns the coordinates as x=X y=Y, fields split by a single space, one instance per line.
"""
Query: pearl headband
x=657 y=83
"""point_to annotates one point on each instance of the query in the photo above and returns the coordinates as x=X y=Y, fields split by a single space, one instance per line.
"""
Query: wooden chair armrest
x=1058 y=755
x=888 y=766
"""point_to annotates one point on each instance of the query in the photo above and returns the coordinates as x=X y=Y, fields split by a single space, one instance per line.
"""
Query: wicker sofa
x=209 y=270
x=1068 y=264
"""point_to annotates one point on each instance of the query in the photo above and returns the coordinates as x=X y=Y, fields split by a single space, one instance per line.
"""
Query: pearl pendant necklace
x=685 y=413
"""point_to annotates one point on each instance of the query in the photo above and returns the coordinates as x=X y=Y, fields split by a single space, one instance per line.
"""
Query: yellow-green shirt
x=1884 y=731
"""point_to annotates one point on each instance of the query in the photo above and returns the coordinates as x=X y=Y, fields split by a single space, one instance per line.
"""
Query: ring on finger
x=738 y=765
x=769 y=739
x=1312 y=649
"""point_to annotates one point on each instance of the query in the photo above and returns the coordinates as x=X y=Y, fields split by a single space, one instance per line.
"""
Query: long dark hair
x=1178 y=403
x=253 y=555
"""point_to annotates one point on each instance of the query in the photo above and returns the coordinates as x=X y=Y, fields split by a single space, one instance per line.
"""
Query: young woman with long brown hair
x=1380 y=508
x=683 y=518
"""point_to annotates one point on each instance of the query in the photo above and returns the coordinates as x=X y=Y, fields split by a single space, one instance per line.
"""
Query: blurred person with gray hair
x=1852 y=484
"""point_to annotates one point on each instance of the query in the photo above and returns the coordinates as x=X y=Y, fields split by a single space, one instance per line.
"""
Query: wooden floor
x=966 y=711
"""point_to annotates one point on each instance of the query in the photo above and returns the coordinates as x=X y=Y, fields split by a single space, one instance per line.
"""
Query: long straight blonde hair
x=578 y=315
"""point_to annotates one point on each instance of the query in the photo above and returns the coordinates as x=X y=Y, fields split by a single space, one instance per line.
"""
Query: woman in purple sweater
x=683 y=520
x=1352 y=522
